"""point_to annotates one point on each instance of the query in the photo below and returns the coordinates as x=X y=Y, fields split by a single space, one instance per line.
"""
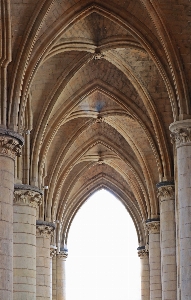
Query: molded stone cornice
x=181 y=132
x=153 y=226
x=44 y=229
x=28 y=195
x=166 y=190
x=10 y=143
x=142 y=252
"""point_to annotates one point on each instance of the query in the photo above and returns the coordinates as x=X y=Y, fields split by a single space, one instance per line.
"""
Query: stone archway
x=88 y=90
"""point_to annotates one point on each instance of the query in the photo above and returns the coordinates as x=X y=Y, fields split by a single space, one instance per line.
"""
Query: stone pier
x=181 y=135
x=52 y=255
x=44 y=231
x=26 y=201
x=168 y=240
x=153 y=227
x=145 y=273
x=54 y=259
x=10 y=147
x=61 y=276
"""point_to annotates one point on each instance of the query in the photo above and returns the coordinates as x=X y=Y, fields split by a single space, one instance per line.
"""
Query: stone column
x=26 y=201
x=181 y=135
x=153 y=227
x=52 y=255
x=168 y=240
x=44 y=230
x=145 y=273
x=54 y=277
x=10 y=147
x=61 y=275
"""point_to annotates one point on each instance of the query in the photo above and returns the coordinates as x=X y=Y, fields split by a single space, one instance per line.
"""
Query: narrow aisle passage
x=103 y=262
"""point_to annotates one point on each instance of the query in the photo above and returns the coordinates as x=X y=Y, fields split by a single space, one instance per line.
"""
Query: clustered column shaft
x=52 y=274
x=181 y=135
x=145 y=273
x=61 y=276
x=44 y=231
x=168 y=240
x=26 y=201
x=10 y=146
x=54 y=277
x=153 y=227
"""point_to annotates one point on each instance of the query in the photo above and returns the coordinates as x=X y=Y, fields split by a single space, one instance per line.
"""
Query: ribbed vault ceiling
x=96 y=85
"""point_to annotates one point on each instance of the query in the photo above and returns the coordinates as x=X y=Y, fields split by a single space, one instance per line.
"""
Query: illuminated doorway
x=102 y=262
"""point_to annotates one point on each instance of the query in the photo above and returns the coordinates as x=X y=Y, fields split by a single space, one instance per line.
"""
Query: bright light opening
x=102 y=261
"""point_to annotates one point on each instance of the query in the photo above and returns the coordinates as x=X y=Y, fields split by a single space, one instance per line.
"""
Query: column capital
x=63 y=254
x=181 y=132
x=142 y=252
x=52 y=251
x=44 y=229
x=27 y=195
x=166 y=190
x=10 y=143
x=153 y=226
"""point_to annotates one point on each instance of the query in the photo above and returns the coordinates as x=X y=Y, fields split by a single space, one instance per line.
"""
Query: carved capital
x=153 y=226
x=166 y=191
x=10 y=143
x=181 y=132
x=62 y=255
x=143 y=253
x=52 y=251
x=44 y=229
x=181 y=136
x=9 y=147
x=27 y=197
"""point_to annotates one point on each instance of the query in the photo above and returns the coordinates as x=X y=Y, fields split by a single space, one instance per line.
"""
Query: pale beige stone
x=54 y=260
x=166 y=193
x=9 y=148
x=92 y=86
x=26 y=201
x=61 y=276
x=52 y=272
x=145 y=273
x=44 y=232
x=153 y=227
x=181 y=132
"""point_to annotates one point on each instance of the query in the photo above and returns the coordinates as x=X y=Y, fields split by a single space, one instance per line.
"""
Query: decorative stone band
x=166 y=190
x=142 y=252
x=27 y=195
x=63 y=253
x=52 y=251
x=44 y=229
x=10 y=143
x=153 y=226
x=181 y=132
